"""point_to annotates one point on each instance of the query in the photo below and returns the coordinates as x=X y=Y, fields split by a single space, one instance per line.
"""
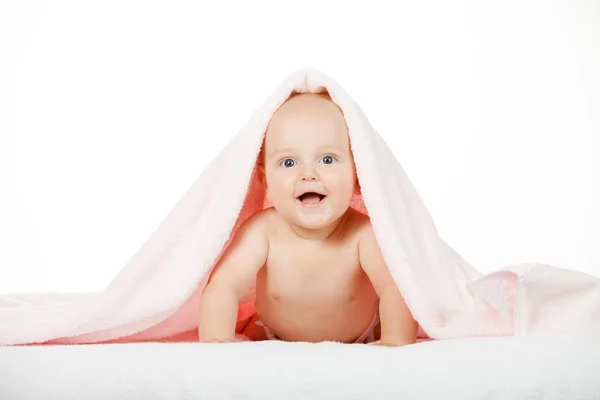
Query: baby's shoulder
x=360 y=224
x=259 y=221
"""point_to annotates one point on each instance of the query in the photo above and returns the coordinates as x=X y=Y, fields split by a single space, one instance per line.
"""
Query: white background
x=110 y=110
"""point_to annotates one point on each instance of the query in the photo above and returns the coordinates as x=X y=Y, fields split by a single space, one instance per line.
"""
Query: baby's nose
x=309 y=175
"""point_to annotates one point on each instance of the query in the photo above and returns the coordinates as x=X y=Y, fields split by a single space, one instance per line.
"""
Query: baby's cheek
x=344 y=187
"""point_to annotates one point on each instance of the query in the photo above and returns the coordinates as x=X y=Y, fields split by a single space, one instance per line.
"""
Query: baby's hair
x=323 y=94
x=261 y=155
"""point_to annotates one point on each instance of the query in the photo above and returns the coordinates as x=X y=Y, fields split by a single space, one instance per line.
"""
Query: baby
x=319 y=272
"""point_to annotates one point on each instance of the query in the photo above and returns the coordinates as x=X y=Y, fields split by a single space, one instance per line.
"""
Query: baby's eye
x=288 y=162
x=327 y=160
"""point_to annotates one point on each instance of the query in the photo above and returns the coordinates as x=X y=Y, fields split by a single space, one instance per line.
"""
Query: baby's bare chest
x=293 y=270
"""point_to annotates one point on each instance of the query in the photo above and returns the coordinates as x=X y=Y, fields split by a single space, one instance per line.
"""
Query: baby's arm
x=398 y=326
x=231 y=278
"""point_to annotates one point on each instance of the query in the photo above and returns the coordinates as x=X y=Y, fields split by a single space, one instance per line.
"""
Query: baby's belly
x=316 y=317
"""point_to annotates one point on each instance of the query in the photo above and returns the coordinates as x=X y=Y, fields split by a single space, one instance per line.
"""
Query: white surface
x=548 y=367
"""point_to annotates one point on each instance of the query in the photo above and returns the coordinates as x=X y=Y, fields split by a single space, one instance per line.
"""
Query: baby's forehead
x=308 y=111
x=308 y=103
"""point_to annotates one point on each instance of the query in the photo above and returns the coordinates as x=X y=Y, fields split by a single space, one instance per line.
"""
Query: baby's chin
x=312 y=223
x=318 y=217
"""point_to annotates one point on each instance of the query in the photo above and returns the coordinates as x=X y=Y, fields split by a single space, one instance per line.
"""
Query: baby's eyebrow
x=332 y=148
x=277 y=152
x=280 y=151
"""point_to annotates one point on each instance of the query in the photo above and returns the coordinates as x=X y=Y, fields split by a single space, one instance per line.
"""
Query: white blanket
x=535 y=367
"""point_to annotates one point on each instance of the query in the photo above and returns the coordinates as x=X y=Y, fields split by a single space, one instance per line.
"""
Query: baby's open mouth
x=311 y=198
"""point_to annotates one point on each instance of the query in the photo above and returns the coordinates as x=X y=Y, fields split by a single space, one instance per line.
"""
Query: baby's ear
x=357 y=189
x=260 y=167
x=262 y=177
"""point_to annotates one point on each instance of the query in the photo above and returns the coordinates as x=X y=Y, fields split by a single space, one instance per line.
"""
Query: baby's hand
x=215 y=340
x=386 y=344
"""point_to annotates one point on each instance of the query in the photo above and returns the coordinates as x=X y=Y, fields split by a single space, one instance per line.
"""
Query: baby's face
x=307 y=149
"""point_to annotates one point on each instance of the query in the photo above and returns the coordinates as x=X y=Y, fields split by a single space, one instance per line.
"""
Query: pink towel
x=155 y=297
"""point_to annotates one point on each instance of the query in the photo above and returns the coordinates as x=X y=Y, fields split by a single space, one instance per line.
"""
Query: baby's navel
x=276 y=296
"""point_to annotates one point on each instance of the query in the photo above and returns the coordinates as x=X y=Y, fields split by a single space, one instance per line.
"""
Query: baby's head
x=307 y=149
